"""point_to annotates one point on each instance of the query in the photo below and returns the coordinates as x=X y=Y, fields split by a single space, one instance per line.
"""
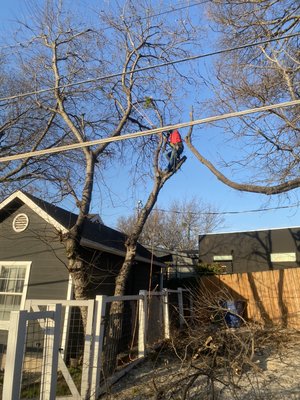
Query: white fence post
x=142 y=335
x=50 y=354
x=87 y=366
x=166 y=314
x=98 y=338
x=14 y=355
x=180 y=306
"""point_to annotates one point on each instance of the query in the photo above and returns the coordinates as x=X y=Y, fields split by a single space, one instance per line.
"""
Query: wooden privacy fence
x=272 y=297
x=44 y=339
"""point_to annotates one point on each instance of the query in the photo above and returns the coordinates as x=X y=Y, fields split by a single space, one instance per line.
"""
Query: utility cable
x=167 y=11
x=228 y=212
x=142 y=69
x=172 y=10
x=134 y=135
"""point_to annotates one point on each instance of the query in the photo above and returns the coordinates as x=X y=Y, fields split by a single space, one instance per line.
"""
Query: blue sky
x=193 y=180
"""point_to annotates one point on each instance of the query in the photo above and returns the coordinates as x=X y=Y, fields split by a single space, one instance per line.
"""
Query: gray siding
x=39 y=243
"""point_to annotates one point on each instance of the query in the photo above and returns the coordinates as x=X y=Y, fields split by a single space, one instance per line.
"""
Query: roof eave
x=99 y=246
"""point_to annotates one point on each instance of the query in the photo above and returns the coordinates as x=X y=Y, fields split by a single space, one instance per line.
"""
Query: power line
x=230 y=212
x=174 y=10
x=142 y=69
x=167 y=11
x=110 y=139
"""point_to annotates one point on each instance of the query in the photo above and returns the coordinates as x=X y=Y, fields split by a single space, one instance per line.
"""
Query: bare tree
x=116 y=310
x=264 y=156
x=23 y=128
x=94 y=91
x=176 y=228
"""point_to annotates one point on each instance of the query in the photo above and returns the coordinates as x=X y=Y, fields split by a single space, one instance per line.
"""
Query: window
x=13 y=288
x=223 y=258
x=225 y=263
x=283 y=257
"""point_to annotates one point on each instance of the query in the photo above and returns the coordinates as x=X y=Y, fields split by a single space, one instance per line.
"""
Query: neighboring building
x=183 y=264
x=33 y=263
x=252 y=251
x=180 y=264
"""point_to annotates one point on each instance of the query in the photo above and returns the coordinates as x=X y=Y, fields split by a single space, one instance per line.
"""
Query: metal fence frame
x=16 y=348
x=93 y=342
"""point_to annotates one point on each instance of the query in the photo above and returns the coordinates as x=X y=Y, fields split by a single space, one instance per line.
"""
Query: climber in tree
x=174 y=140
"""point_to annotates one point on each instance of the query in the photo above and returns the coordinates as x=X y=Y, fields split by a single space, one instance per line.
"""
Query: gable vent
x=20 y=222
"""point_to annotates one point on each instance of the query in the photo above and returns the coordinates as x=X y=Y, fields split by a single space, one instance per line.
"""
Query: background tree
x=176 y=228
x=264 y=147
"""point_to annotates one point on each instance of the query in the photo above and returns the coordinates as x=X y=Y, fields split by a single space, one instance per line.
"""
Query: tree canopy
x=264 y=156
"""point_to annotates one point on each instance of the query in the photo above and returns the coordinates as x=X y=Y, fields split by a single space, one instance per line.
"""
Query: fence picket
x=50 y=355
x=98 y=329
x=14 y=355
x=142 y=324
x=166 y=314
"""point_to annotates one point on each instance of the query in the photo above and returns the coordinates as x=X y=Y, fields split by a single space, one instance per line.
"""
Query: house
x=180 y=264
x=251 y=251
x=33 y=263
x=183 y=265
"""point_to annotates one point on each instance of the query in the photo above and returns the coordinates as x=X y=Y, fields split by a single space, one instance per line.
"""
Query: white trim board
x=249 y=230
x=5 y=324
x=31 y=204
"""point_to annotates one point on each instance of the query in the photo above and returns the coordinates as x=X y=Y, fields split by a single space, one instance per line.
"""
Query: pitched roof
x=95 y=234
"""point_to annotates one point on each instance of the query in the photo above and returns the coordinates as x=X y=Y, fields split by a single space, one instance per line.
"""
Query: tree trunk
x=78 y=273
x=115 y=323
x=114 y=330
x=78 y=276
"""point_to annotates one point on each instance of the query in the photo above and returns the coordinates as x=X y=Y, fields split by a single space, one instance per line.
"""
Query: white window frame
x=223 y=258
x=283 y=257
x=5 y=324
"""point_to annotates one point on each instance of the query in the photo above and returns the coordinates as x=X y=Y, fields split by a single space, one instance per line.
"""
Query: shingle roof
x=94 y=233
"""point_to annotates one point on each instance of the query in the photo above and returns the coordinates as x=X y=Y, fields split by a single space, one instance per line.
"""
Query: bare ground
x=163 y=376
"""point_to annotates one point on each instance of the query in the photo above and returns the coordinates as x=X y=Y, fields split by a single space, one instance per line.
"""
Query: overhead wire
x=168 y=11
x=230 y=212
x=173 y=10
x=110 y=139
x=149 y=67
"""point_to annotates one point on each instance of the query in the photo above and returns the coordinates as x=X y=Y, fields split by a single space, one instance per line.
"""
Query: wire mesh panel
x=174 y=314
x=120 y=345
x=75 y=338
x=72 y=352
x=187 y=305
x=75 y=346
x=155 y=320
x=32 y=355
x=32 y=368
x=2 y=359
